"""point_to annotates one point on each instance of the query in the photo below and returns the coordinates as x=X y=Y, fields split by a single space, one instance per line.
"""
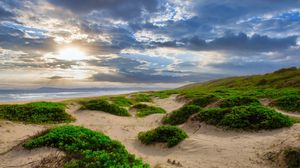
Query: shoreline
x=67 y=98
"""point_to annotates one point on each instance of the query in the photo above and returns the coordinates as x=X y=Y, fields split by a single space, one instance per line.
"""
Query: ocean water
x=13 y=95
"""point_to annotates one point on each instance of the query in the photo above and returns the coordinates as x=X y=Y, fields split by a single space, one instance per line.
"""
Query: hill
x=283 y=78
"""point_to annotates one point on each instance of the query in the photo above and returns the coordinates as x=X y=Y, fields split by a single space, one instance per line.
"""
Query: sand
x=206 y=147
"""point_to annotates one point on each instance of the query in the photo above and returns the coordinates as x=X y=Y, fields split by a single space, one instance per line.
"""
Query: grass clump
x=292 y=157
x=239 y=101
x=253 y=117
x=289 y=103
x=145 y=110
x=121 y=101
x=181 y=115
x=203 y=101
x=37 y=112
x=166 y=134
x=105 y=106
x=86 y=148
x=141 y=97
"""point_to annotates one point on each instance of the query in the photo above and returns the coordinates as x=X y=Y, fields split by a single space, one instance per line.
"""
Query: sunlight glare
x=72 y=54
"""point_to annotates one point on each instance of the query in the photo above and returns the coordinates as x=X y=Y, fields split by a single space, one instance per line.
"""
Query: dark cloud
x=224 y=12
x=145 y=77
x=120 y=63
x=239 y=42
x=255 y=42
x=15 y=39
x=5 y=15
x=125 y=9
x=57 y=77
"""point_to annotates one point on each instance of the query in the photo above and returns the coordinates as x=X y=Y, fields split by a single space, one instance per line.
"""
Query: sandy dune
x=206 y=147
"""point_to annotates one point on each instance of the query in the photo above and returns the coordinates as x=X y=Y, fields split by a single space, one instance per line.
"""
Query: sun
x=72 y=54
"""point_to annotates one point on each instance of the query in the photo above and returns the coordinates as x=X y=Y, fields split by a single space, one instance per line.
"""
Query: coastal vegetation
x=289 y=103
x=171 y=135
x=86 y=148
x=37 y=113
x=145 y=110
x=251 y=117
x=105 y=106
x=181 y=115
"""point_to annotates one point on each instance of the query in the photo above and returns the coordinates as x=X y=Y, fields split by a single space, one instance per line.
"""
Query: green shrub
x=142 y=98
x=105 y=106
x=169 y=134
x=145 y=110
x=121 y=101
x=238 y=101
x=203 y=101
x=253 y=117
x=289 y=103
x=38 y=112
x=212 y=116
x=86 y=148
x=292 y=158
x=181 y=115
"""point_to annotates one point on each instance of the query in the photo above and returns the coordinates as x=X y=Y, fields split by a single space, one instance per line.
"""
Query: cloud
x=57 y=77
x=175 y=40
x=125 y=9
x=13 y=38
x=146 y=77
x=5 y=15
x=239 y=42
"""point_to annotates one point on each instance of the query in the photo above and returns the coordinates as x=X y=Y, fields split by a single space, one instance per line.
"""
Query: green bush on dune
x=292 y=157
x=141 y=97
x=145 y=110
x=238 y=101
x=121 y=101
x=289 y=103
x=165 y=134
x=86 y=148
x=181 y=115
x=204 y=100
x=213 y=116
x=253 y=117
x=37 y=112
x=105 y=106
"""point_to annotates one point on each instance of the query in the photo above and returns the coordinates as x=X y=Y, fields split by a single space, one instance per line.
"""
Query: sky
x=71 y=43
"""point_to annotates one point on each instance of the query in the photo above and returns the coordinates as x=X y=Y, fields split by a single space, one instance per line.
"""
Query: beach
x=206 y=146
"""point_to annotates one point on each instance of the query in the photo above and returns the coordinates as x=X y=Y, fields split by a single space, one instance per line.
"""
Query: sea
x=49 y=93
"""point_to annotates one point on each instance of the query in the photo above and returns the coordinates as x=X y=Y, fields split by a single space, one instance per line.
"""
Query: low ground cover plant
x=239 y=101
x=145 y=110
x=292 y=157
x=181 y=115
x=37 y=112
x=289 y=103
x=105 y=106
x=252 y=117
x=121 y=101
x=141 y=97
x=171 y=135
x=86 y=148
x=204 y=100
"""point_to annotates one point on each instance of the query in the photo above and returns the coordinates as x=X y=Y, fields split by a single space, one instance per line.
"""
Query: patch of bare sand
x=19 y=157
x=11 y=153
x=169 y=104
x=14 y=133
